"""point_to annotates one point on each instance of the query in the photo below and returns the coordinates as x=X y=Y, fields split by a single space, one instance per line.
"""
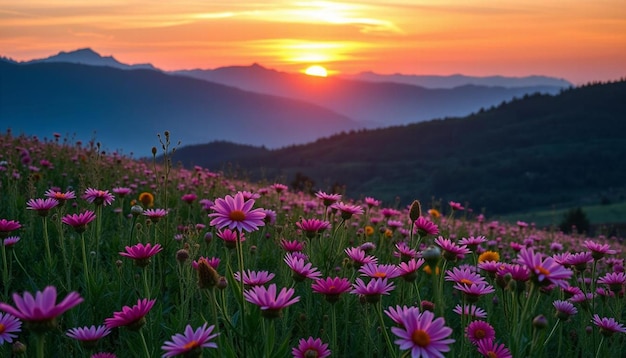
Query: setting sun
x=316 y=70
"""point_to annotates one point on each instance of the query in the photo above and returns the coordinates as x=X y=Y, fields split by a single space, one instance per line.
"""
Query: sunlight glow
x=316 y=70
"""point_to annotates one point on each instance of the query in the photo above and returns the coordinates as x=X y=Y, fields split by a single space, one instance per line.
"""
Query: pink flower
x=608 y=326
x=464 y=275
x=103 y=355
x=455 y=206
x=598 y=250
x=615 y=280
x=291 y=246
x=545 y=271
x=479 y=330
x=131 y=317
x=270 y=303
x=155 y=214
x=122 y=191
x=312 y=227
x=255 y=278
x=470 y=310
x=189 y=198
x=60 y=196
x=9 y=325
x=423 y=335
x=311 y=348
x=408 y=270
x=40 y=311
x=88 y=336
x=564 y=309
x=375 y=270
x=98 y=197
x=451 y=251
x=230 y=237
x=347 y=211
x=328 y=199
x=332 y=288
x=398 y=313
x=42 y=206
x=373 y=290
x=236 y=214
x=141 y=253
x=359 y=257
x=473 y=291
x=301 y=270
x=79 y=221
x=491 y=349
x=190 y=341
x=425 y=227
x=6 y=226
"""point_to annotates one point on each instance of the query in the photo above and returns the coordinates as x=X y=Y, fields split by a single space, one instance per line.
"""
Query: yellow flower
x=369 y=231
x=388 y=233
x=489 y=256
x=429 y=271
x=434 y=213
x=147 y=199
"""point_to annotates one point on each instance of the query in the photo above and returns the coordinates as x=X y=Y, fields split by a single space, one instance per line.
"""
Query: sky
x=578 y=40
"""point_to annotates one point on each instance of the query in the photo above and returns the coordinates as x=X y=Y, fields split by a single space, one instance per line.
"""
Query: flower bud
x=540 y=322
x=415 y=211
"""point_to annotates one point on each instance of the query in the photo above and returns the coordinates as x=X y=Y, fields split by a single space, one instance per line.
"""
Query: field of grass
x=104 y=256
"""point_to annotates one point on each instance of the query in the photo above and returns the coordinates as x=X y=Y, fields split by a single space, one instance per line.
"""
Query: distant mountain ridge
x=87 y=56
x=536 y=152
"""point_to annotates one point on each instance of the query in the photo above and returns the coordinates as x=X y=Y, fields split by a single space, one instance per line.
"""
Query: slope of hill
x=377 y=104
x=87 y=56
x=127 y=108
x=534 y=152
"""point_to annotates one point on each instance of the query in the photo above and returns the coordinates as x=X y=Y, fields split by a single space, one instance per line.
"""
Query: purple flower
x=564 y=309
x=373 y=289
x=332 y=288
x=270 y=303
x=141 y=253
x=491 y=349
x=423 y=335
x=42 y=206
x=451 y=251
x=236 y=213
x=300 y=269
x=328 y=199
x=190 y=341
x=359 y=257
x=464 y=275
x=470 y=310
x=41 y=310
x=88 y=336
x=479 y=330
x=598 y=250
x=6 y=226
x=608 y=326
x=98 y=197
x=545 y=271
x=312 y=227
x=398 y=313
x=254 y=278
x=79 y=221
x=310 y=348
x=375 y=270
x=347 y=210
x=131 y=317
x=155 y=215
x=425 y=227
x=9 y=325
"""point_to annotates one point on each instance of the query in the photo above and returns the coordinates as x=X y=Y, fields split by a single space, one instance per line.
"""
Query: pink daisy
x=404 y=252
x=141 y=253
x=6 y=226
x=423 y=335
x=312 y=227
x=328 y=199
x=332 y=288
x=88 y=336
x=291 y=246
x=189 y=198
x=464 y=275
x=451 y=251
x=236 y=214
x=545 y=271
x=479 y=330
x=98 y=197
x=491 y=349
x=371 y=202
x=615 y=280
x=190 y=341
x=154 y=214
x=230 y=237
x=373 y=290
x=300 y=269
x=375 y=270
x=42 y=206
x=598 y=250
x=455 y=206
x=9 y=325
x=41 y=310
x=347 y=210
x=133 y=317
x=60 y=196
x=79 y=221
x=311 y=348
x=564 y=309
x=408 y=270
x=398 y=313
x=270 y=303
x=608 y=325
x=470 y=311
x=359 y=257
x=473 y=291
x=122 y=191
x=425 y=227
x=254 y=278
x=103 y=355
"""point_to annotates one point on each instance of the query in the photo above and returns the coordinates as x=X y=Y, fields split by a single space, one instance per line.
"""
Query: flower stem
x=599 y=347
x=145 y=345
x=551 y=332
x=243 y=314
x=146 y=287
x=383 y=328
x=47 y=241
x=41 y=341
x=85 y=267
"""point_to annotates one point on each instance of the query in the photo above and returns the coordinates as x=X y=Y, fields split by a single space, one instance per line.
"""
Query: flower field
x=105 y=256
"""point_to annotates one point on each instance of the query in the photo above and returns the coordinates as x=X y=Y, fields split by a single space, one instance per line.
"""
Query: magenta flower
x=189 y=198
x=60 y=196
x=451 y=251
x=103 y=355
x=332 y=288
x=9 y=325
x=478 y=330
x=133 y=317
x=42 y=206
x=491 y=349
x=423 y=335
x=608 y=326
x=359 y=257
x=190 y=341
x=312 y=227
x=79 y=221
x=371 y=202
x=455 y=206
x=404 y=252
x=121 y=191
x=270 y=303
x=230 y=237
x=328 y=199
x=311 y=348
x=564 y=309
x=472 y=242
x=579 y=260
x=373 y=290
x=6 y=226
x=10 y=241
x=300 y=269
x=40 y=311
x=347 y=210
x=98 y=197
x=464 y=275
x=291 y=246
x=615 y=280
x=408 y=270
x=545 y=271
x=375 y=270
x=398 y=313
x=473 y=291
x=212 y=261
x=470 y=310
x=155 y=215
x=254 y=278
x=598 y=251
x=88 y=336
x=141 y=253
x=236 y=214
x=425 y=227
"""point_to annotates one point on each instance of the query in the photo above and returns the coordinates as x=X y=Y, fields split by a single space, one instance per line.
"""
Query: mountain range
x=537 y=152
x=81 y=92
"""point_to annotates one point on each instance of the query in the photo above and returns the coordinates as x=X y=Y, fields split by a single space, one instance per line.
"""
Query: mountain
x=87 y=56
x=376 y=104
x=541 y=151
x=126 y=109
x=430 y=81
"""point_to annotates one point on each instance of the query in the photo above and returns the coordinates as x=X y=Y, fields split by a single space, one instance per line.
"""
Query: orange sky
x=579 y=40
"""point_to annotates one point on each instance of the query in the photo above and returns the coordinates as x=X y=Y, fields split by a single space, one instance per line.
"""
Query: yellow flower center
x=480 y=333
x=489 y=256
x=420 y=337
x=466 y=281
x=380 y=275
x=542 y=270
x=237 y=215
x=192 y=344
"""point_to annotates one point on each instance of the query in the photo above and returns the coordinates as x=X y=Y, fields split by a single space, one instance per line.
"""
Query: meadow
x=106 y=256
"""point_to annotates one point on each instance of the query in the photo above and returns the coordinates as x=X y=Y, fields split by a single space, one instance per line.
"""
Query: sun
x=316 y=70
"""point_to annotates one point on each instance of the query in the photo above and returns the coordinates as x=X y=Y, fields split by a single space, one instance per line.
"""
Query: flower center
x=480 y=333
x=2 y=328
x=467 y=281
x=380 y=275
x=492 y=354
x=332 y=288
x=542 y=270
x=420 y=337
x=311 y=353
x=237 y=215
x=192 y=344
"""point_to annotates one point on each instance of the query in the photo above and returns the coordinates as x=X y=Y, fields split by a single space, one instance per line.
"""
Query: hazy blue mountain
x=376 y=104
x=126 y=109
x=87 y=56
x=541 y=151
x=431 y=81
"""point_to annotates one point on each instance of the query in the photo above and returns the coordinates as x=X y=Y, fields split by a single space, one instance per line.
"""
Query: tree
x=575 y=219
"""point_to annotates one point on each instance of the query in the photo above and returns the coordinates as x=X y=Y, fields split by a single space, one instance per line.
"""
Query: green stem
x=241 y=290
x=41 y=341
x=599 y=347
x=85 y=267
x=383 y=328
x=5 y=270
x=47 y=241
x=551 y=332
x=145 y=345
x=146 y=287
x=333 y=327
